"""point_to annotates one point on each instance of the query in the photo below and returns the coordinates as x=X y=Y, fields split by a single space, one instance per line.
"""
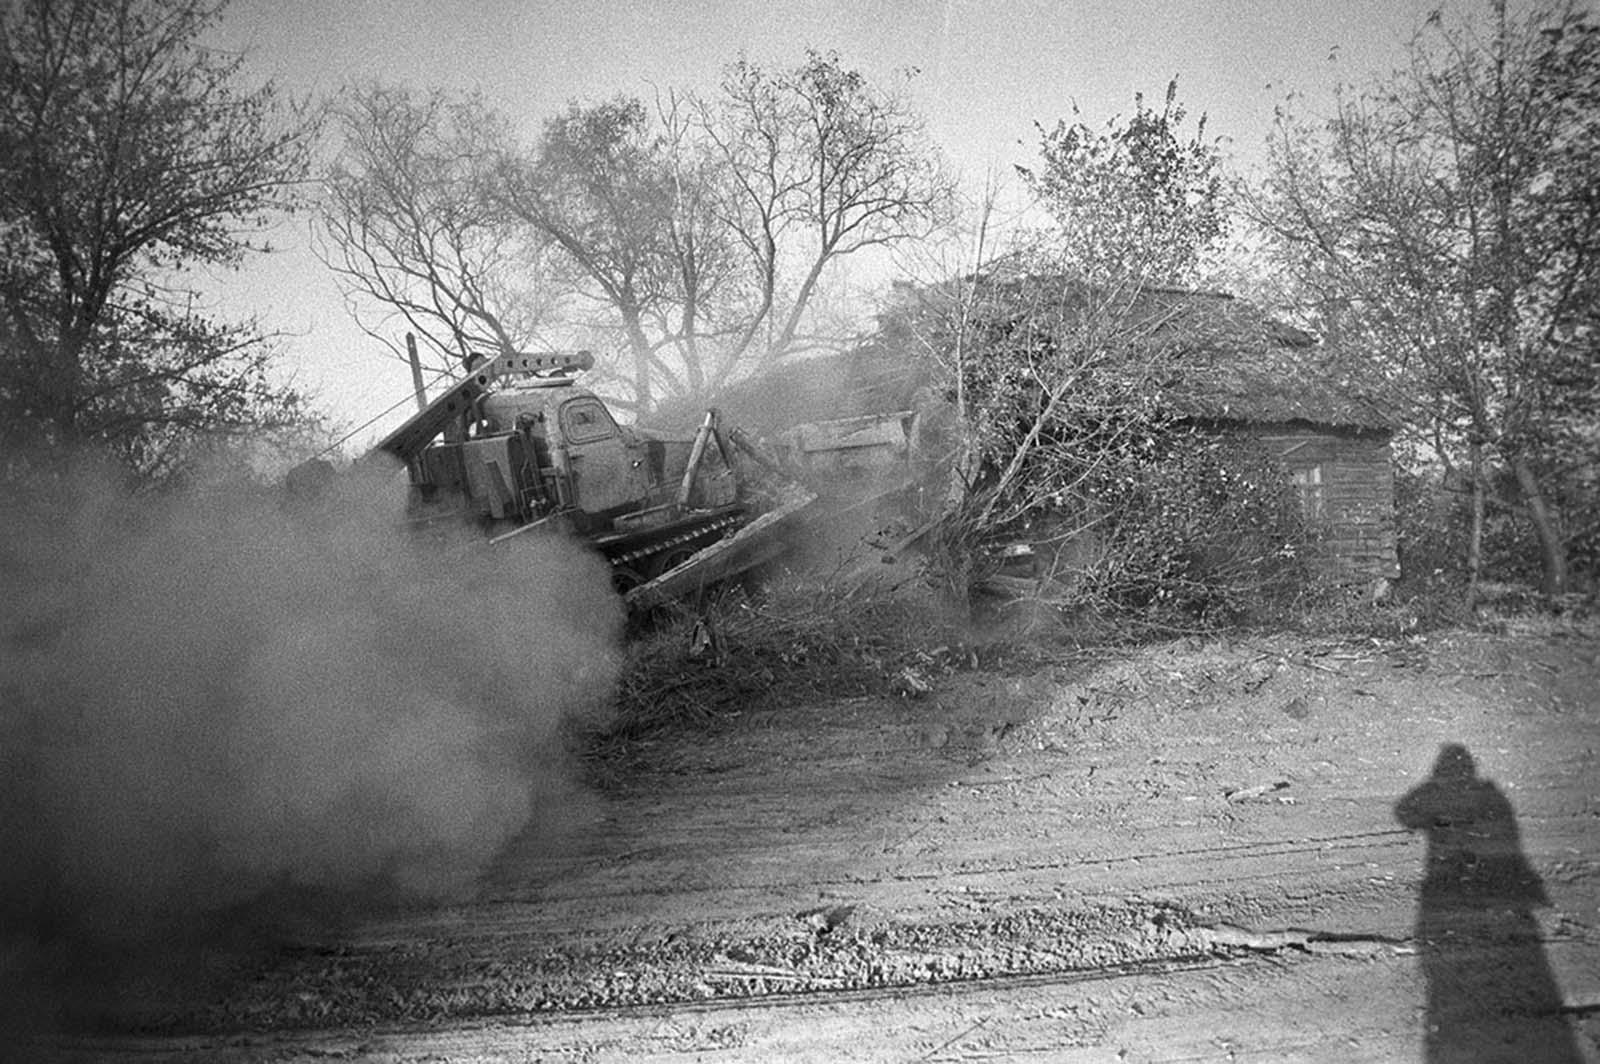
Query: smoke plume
x=209 y=698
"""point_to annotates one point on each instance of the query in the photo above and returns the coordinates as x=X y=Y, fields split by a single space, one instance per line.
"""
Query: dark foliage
x=129 y=156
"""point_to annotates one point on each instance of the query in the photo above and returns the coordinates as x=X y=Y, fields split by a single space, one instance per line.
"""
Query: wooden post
x=416 y=372
x=696 y=454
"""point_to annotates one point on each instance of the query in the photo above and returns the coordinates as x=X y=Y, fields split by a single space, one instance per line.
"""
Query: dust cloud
x=210 y=699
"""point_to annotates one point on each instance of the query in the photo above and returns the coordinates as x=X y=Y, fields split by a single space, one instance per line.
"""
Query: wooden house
x=1239 y=371
x=1231 y=369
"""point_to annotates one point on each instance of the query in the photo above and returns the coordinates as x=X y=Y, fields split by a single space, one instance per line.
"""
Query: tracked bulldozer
x=517 y=446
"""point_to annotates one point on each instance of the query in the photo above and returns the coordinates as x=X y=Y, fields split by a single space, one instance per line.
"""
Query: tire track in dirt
x=762 y=860
x=1262 y=849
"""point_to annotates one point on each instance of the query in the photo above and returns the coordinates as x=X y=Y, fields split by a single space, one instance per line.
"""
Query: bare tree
x=413 y=231
x=709 y=225
x=823 y=166
x=696 y=234
x=628 y=198
x=128 y=156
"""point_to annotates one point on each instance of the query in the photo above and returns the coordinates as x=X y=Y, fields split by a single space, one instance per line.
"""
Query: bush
x=1207 y=534
x=1434 y=522
x=1431 y=530
x=1187 y=530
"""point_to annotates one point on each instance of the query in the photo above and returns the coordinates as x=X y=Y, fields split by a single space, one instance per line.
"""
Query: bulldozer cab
x=606 y=463
x=516 y=442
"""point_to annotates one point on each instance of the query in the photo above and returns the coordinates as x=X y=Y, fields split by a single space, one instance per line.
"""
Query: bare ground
x=1186 y=853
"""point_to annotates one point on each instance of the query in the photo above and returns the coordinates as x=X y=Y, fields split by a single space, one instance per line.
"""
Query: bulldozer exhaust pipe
x=416 y=372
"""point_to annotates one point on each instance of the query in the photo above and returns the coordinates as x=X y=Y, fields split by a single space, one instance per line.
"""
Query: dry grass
x=798 y=637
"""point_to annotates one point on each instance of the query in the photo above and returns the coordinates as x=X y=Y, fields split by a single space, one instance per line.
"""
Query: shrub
x=1185 y=530
x=1434 y=518
x=1207 y=533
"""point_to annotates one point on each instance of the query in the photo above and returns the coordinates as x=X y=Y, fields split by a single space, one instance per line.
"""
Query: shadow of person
x=1491 y=995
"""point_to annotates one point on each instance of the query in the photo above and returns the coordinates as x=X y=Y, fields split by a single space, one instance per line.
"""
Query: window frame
x=603 y=428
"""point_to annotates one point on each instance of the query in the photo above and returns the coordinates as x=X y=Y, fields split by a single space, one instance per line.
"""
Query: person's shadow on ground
x=1491 y=995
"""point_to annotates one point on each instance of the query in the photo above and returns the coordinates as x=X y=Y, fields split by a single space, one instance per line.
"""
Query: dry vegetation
x=803 y=637
x=799 y=636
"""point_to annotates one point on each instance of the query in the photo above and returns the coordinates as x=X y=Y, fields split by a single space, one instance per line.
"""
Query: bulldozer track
x=688 y=536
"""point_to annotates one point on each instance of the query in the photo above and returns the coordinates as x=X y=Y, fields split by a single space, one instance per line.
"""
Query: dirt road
x=1269 y=850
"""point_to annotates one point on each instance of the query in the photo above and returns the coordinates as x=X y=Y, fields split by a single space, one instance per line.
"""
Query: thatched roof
x=1237 y=364
x=1224 y=359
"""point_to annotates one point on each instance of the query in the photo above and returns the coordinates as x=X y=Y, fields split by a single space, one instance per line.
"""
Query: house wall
x=1346 y=484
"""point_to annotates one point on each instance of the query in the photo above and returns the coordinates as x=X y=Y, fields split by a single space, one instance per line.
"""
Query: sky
x=987 y=71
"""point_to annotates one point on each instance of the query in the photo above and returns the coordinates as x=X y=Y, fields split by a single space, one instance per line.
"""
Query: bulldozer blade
x=759 y=542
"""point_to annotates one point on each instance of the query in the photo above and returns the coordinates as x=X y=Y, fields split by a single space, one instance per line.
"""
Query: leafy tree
x=130 y=155
x=1043 y=357
x=1062 y=356
x=413 y=230
x=1449 y=217
x=1133 y=203
x=1075 y=442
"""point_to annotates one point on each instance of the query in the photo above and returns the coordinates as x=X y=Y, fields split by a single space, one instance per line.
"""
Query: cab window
x=586 y=420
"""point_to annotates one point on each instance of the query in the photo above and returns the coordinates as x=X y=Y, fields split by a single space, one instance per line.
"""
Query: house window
x=1309 y=483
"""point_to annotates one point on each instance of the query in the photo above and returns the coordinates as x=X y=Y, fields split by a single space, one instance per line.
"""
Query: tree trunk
x=1552 y=552
x=1475 y=531
x=639 y=345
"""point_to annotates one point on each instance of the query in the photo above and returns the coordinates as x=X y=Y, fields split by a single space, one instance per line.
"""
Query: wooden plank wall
x=1347 y=486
